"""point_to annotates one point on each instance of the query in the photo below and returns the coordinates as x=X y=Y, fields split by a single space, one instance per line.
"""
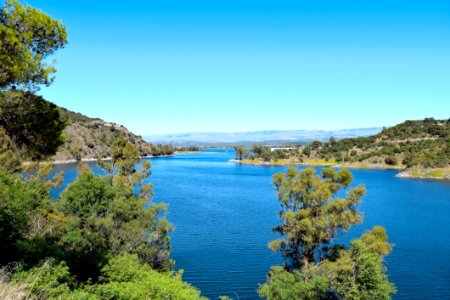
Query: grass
x=440 y=173
x=12 y=290
x=436 y=174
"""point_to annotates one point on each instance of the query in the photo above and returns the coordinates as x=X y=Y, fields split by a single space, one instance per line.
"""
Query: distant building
x=283 y=149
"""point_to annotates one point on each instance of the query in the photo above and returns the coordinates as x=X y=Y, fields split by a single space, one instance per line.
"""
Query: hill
x=247 y=138
x=89 y=138
x=420 y=148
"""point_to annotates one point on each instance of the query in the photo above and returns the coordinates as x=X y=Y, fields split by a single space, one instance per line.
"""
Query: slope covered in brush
x=87 y=137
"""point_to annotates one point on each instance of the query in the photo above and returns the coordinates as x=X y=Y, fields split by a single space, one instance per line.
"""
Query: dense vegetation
x=27 y=38
x=413 y=144
x=315 y=267
x=188 y=149
x=103 y=238
x=33 y=124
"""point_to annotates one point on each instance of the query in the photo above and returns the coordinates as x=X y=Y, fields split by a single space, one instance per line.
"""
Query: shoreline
x=319 y=164
x=431 y=174
x=73 y=161
x=186 y=152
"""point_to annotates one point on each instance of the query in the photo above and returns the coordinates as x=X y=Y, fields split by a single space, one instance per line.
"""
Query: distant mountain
x=265 y=137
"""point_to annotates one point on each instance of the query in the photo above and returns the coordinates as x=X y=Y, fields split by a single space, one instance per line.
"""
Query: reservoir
x=223 y=215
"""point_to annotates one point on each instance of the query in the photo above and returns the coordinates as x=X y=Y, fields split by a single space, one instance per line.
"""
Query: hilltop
x=89 y=138
x=272 y=137
x=420 y=148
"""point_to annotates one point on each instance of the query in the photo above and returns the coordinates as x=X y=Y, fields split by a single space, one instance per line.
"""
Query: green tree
x=359 y=273
x=332 y=141
x=33 y=124
x=20 y=203
x=27 y=38
x=9 y=158
x=316 y=145
x=391 y=160
x=122 y=278
x=307 y=151
x=312 y=216
x=261 y=152
x=356 y=274
x=241 y=152
x=112 y=214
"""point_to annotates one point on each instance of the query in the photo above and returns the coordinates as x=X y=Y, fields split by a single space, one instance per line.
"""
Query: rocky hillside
x=89 y=138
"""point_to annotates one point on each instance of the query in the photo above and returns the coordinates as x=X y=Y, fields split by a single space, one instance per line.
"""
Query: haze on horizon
x=170 y=66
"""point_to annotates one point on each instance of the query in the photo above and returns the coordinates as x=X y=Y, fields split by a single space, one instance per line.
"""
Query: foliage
x=33 y=124
x=287 y=285
x=312 y=216
x=27 y=38
x=12 y=290
x=357 y=274
x=109 y=216
x=48 y=281
x=20 y=204
x=241 y=152
x=422 y=144
x=188 y=149
x=390 y=160
x=96 y=218
x=123 y=277
x=104 y=238
x=9 y=158
x=261 y=152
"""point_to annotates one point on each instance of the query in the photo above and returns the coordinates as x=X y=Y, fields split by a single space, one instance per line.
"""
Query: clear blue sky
x=164 y=66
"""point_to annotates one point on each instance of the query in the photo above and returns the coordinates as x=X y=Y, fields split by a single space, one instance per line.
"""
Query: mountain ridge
x=262 y=136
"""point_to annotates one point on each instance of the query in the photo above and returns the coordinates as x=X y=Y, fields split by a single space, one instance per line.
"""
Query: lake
x=224 y=213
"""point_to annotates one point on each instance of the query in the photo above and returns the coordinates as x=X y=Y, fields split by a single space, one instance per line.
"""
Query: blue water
x=224 y=214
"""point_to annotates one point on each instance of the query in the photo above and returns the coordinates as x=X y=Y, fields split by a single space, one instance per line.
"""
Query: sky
x=166 y=66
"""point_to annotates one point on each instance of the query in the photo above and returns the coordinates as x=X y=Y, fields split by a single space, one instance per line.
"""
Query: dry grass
x=12 y=290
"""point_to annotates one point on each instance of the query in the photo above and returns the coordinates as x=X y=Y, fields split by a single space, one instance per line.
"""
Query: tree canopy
x=104 y=238
x=27 y=37
x=315 y=268
x=241 y=152
x=33 y=124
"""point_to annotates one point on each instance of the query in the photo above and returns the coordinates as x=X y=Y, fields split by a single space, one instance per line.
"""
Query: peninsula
x=420 y=149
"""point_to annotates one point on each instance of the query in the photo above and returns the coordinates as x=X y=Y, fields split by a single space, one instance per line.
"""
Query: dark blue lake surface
x=224 y=214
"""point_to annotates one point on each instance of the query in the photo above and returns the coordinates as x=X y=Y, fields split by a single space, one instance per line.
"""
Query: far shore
x=186 y=152
x=73 y=161
x=435 y=174
x=320 y=163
